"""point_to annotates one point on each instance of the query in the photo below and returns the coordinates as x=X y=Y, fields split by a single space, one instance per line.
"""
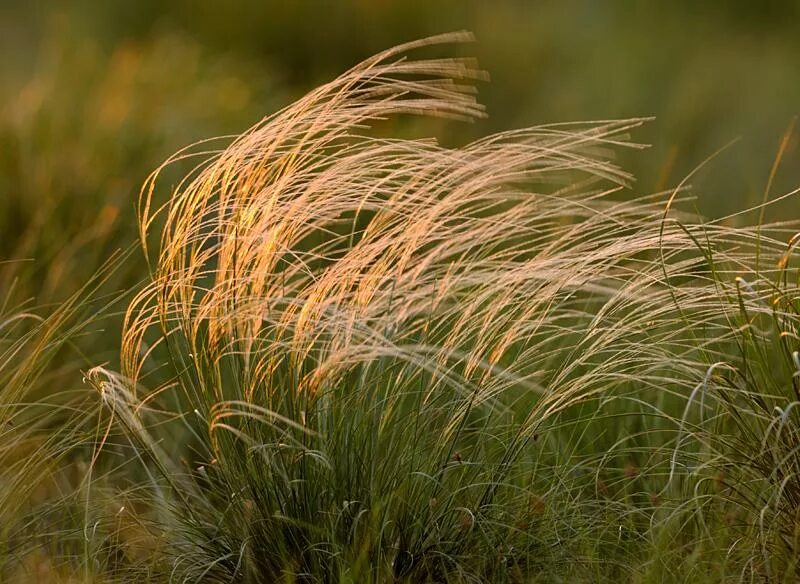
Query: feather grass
x=388 y=360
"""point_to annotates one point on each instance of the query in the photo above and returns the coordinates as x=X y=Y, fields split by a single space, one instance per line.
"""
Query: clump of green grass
x=362 y=358
x=371 y=347
x=748 y=471
x=45 y=424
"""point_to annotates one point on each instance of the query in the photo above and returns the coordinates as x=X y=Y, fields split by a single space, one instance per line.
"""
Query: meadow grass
x=369 y=359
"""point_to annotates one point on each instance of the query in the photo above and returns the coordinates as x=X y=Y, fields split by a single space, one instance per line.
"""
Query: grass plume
x=370 y=359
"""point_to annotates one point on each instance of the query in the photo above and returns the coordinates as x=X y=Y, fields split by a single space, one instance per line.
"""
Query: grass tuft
x=368 y=359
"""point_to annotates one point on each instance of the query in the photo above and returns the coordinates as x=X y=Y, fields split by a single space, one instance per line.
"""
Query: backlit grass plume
x=368 y=335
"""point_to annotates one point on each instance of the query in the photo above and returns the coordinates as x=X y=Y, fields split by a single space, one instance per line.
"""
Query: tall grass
x=367 y=359
x=46 y=421
x=748 y=421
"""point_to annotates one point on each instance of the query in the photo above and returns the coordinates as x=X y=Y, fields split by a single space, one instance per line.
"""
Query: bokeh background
x=93 y=95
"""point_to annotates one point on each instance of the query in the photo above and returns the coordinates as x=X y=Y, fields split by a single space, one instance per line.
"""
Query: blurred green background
x=93 y=95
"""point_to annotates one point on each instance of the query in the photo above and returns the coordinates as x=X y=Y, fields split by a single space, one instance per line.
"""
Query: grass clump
x=367 y=359
x=46 y=421
x=747 y=421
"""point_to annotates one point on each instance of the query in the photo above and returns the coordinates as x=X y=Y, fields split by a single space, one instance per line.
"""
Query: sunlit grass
x=362 y=359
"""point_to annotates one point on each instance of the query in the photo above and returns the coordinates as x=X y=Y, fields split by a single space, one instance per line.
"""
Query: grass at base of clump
x=362 y=359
